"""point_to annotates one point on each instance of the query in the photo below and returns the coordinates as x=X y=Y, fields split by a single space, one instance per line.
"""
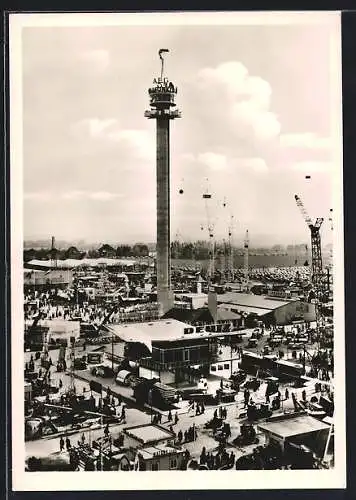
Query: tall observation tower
x=162 y=109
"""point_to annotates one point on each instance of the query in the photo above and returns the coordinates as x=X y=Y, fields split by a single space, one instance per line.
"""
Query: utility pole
x=112 y=353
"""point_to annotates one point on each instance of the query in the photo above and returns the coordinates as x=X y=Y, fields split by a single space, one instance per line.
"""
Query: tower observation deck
x=162 y=96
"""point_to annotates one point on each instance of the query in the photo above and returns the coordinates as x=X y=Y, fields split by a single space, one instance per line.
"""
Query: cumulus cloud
x=98 y=60
x=213 y=161
x=305 y=140
x=258 y=165
x=93 y=127
x=218 y=162
x=189 y=157
x=140 y=142
x=243 y=98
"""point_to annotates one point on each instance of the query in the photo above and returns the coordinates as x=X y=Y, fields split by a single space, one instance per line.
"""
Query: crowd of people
x=222 y=459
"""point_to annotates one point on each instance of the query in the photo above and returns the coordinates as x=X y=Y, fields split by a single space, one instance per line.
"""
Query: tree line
x=136 y=250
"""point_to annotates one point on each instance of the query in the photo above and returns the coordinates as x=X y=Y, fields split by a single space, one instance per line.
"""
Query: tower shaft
x=163 y=214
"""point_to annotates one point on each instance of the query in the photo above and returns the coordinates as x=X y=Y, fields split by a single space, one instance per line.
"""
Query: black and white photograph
x=177 y=295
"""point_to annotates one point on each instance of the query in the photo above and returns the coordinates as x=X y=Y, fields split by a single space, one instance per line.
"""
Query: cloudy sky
x=256 y=102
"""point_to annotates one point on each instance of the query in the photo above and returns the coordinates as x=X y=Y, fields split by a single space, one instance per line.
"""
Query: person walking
x=61 y=444
x=246 y=397
x=176 y=419
x=68 y=444
x=83 y=438
x=169 y=416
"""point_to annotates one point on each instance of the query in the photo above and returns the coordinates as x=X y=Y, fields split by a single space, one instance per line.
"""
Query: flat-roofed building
x=169 y=348
x=152 y=448
x=271 y=310
x=298 y=429
x=147 y=434
x=191 y=300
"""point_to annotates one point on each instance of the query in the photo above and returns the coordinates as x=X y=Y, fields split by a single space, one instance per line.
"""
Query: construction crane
x=317 y=264
x=246 y=245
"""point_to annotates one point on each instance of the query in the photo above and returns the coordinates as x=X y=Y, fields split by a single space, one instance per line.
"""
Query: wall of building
x=53 y=277
x=286 y=314
x=131 y=442
x=61 y=329
x=147 y=373
x=167 y=377
x=188 y=353
x=165 y=462
x=222 y=369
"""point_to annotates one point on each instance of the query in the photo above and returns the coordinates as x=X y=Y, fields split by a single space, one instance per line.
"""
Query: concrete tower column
x=163 y=212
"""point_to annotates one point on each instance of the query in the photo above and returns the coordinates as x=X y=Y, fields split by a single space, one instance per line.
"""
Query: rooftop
x=293 y=425
x=72 y=263
x=192 y=295
x=256 y=301
x=149 y=433
x=226 y=314
x=146 y=332
x=245 y=309
x=191 y=316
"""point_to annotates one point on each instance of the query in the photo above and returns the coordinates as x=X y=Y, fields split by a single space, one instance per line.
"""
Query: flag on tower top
x=160 y=52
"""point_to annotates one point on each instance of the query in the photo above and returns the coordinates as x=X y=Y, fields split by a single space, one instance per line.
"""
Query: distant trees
x=198 y=250
x=73 y=253
x=140 y=250
x=93 y=253
x=123 y=251
x=106 y=251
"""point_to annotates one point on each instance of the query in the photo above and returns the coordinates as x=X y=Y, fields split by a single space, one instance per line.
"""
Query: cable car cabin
x=286 y=369
x=252 y=363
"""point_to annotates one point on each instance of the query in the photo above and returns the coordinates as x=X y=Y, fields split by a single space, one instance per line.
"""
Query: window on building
x=213 y=368
x=226 y=366
x=173 y=463
x=220 y=367
x=186 y=354
x=155 y=466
